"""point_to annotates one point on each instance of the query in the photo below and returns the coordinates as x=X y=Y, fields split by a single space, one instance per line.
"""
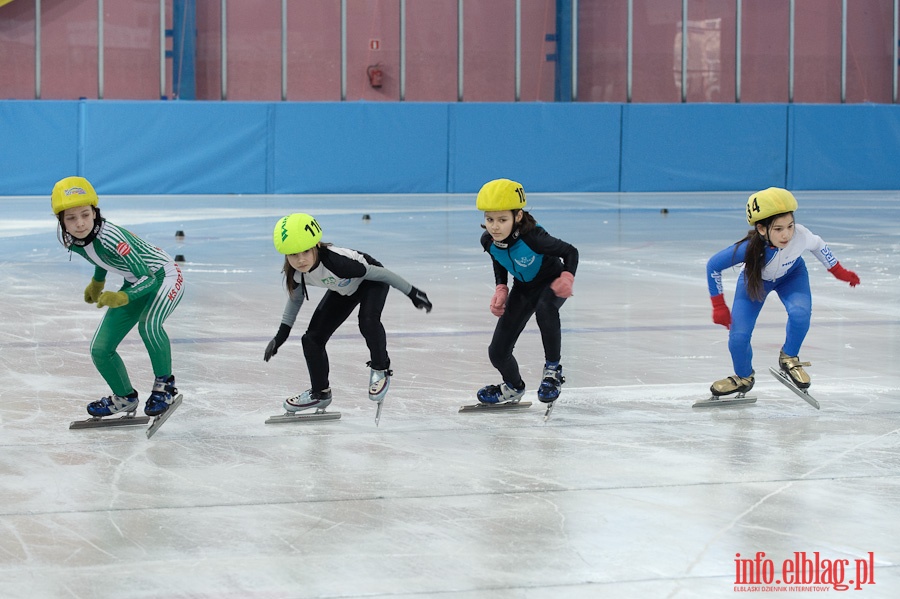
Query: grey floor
x=626 y=492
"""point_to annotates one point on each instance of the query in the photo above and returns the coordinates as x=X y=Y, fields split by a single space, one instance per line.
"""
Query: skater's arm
x=292 y=307
x=727 y=258
x=544 y=243
x=383 y=275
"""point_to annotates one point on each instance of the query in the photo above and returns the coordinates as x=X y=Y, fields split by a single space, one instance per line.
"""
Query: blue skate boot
x=502 y=393
x=309 y=399
x=551 y=382
x=162 y=396
x=107 y=406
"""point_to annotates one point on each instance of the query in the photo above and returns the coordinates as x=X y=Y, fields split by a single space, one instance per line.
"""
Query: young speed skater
x=771 y=254
x=152 y=288
x=543 y=268
x=351 y=279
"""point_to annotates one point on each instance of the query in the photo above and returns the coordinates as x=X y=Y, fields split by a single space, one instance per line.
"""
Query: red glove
x=721 y=314
x=498 y=302
x=843 y=274
x=562 y=286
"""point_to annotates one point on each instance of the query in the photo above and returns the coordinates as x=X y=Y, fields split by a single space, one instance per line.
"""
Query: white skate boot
x=379 y=381
x=309 y=399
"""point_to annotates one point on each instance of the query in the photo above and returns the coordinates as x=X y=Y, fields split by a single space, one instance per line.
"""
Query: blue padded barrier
x=145 y=147
x=360 y=147
x=844 y=147
x=39 y=144
x=703 y=147
x=546 y=147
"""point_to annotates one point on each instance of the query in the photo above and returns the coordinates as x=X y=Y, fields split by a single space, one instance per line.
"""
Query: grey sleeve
x=292 y=307
x=380 y=273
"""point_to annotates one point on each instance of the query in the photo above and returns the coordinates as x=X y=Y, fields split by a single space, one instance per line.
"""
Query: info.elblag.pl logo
x=802 y=572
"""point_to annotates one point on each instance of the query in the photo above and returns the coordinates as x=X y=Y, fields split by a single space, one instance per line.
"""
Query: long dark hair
x=755 y=257
x=62 y=235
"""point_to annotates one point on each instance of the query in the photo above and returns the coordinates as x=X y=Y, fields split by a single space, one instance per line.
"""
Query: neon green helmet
x=500 y=194
x=296 y=233
x=769 y=202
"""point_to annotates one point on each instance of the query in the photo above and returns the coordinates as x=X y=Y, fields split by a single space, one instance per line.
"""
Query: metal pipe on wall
x=684 y=49
x=843 y=51
x=224 y=33
x=402 y=50
x=162 y=49
x=284 y=54
x=574 y=50
x=459 y=50
x=629 y=59
x=37 y=49
x=518 y=93
x=791 y=20
x=737 y=50
x=99 y=49
x=343 y=50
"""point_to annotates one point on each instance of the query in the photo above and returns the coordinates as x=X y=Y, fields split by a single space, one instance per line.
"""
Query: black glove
x=419 y=299
x=277 y=341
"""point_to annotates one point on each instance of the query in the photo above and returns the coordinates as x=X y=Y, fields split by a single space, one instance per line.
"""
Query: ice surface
x=625 y=492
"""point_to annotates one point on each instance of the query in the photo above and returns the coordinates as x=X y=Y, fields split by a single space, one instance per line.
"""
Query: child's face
x=79 y=221
x=304 y=261
x=781 y=231
x=500 y=223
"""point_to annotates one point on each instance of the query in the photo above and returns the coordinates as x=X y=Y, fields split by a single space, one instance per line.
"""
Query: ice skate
x=162 y=396
x=498 y=397
x=793 y=367
x=308 y=400
x=107 y=406
x=732 y=385
x=379 y=381
x=101 y=409
x=785 y=379
x=551 y=382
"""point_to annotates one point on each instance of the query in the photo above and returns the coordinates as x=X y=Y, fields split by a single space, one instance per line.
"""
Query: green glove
x=113 y=299
x=92 y=291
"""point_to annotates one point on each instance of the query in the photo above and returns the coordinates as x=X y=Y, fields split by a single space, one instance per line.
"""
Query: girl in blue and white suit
x=544 y=270
x=771 y=254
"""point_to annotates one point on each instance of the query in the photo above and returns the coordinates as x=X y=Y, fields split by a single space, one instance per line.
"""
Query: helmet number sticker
x=521 y=193
x=754 y=206
x=313 y=227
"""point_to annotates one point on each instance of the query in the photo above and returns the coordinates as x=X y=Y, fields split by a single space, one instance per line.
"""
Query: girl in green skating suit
x=153 y=286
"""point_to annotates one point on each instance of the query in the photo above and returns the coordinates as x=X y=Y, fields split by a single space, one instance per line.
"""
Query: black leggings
x=331 y=313
x=520 y=305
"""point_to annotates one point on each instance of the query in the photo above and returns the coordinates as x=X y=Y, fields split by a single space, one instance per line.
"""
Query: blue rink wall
x=136 y=147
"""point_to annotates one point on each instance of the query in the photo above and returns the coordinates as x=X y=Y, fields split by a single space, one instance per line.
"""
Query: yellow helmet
x=72 y=192
x=296 y=233
x=500 y=194
x=769 y=202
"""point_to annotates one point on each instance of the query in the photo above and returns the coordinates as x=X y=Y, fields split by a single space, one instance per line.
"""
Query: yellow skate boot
x=793 y=367
x=733 y=384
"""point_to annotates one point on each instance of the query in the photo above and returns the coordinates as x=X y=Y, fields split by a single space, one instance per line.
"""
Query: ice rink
x=625 y=492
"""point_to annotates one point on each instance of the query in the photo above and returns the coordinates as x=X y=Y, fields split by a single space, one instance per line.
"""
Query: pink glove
x=721 y=314
x=843 y=274
x=562 y=286
x=498 y=302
